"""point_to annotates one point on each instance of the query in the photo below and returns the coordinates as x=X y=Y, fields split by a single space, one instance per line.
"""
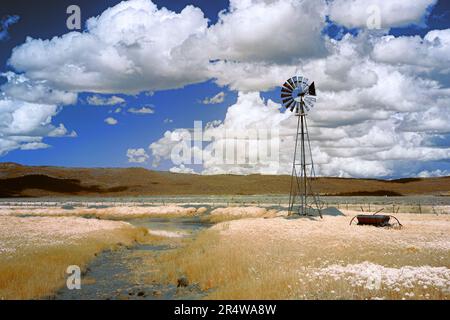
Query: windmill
x=299 y=95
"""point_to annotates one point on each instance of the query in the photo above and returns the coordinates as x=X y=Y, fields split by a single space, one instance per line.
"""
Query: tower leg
x=303 y=166
x=294 y=177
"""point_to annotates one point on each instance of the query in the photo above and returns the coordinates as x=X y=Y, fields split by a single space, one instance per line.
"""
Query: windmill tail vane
x=299 y=94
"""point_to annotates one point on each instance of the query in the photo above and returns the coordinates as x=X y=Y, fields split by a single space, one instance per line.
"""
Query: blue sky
x=98 y=144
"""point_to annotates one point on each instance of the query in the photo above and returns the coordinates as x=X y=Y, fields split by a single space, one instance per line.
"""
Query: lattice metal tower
x=298 y=95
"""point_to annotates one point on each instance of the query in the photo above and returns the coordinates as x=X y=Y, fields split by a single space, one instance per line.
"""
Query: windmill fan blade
x=285 y=95
x=289 y=104
x=310 y=98
x=287 y=85
x=310 y=104
x=293 y=106
x=312 y=89
x=305 y=85
x=286 y=90
x=291 y=83
x=286 y=100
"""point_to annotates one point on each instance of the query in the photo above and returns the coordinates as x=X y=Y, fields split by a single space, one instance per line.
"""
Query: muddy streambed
x=126 y=273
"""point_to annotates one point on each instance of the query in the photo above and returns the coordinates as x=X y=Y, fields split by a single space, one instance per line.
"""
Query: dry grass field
x=278 y=258
x=109 y=212
x=233 y=213
x=36 y=251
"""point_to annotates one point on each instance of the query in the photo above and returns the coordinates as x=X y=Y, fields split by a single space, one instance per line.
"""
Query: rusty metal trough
x=375 y=220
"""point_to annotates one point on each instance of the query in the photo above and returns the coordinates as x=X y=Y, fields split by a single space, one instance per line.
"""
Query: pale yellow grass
x=318 y=259
x=233 y=213
x=113 y=212
x=35 y=252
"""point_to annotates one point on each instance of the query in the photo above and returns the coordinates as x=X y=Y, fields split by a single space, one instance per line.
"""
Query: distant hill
x=36 y=181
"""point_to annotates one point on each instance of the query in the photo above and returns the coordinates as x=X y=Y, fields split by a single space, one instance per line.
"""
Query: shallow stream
x=125 y=273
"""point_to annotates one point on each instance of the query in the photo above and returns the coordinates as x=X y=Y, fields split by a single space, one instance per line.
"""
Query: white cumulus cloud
x=431 y=51
x=142 y=110
x=128 y=48
x=23 y=125
x=433 y=173
x=137 y=155
x=21 y=88
x=97 y=100
x=111 y=121
x=392 y=13
x=182 y=169
x=218 y=98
